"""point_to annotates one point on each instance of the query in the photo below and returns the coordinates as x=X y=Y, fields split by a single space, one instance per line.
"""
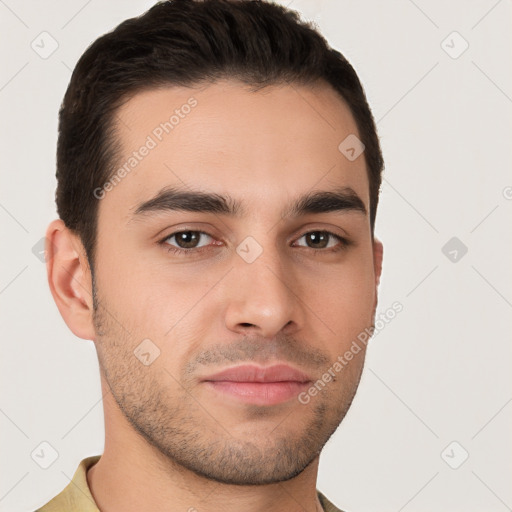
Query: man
x=218 y=176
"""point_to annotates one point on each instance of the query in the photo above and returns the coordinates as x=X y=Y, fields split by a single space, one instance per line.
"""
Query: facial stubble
x=187 y=434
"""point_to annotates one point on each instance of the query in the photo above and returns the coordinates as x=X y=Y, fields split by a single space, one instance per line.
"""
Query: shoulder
x=326 y=504
x=76 y=496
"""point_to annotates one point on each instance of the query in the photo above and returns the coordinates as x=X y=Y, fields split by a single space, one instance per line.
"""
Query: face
x=221 y=297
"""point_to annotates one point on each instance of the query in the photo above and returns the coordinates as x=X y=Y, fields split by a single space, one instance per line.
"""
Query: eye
x=323 y=240
x=190 y=242
x=184 y=241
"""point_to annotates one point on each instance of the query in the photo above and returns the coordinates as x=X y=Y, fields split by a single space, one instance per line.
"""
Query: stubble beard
x=188 y=435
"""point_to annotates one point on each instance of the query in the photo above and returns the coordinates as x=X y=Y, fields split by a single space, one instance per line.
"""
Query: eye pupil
x=187 y=239
x=318 y=237
x=191 y=239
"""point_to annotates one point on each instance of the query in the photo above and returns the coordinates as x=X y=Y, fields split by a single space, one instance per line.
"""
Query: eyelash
x=344 y=243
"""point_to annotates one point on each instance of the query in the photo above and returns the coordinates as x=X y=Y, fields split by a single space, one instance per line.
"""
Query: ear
x=378 y=252
x=69 y=277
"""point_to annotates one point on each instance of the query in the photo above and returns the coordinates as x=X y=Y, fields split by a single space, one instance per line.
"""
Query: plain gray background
x=436 y=387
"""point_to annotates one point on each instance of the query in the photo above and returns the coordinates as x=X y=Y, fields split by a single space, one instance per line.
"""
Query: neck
x=132 y=475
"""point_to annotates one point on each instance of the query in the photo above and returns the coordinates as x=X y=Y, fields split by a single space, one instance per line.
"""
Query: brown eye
x=322 y=240
x=317 y=239
x=187 y=239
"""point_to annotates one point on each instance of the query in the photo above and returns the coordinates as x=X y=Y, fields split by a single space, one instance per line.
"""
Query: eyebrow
x=343 y=199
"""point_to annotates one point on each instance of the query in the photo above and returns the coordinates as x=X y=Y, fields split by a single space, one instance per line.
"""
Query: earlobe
x=69 y=278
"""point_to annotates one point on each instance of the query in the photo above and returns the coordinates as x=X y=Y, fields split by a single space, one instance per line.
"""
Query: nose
x=261 y=300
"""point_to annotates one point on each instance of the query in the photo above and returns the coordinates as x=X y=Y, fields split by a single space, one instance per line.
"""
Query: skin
x=166 y=431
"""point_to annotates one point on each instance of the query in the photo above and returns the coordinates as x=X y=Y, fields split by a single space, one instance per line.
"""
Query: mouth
x=258 y=385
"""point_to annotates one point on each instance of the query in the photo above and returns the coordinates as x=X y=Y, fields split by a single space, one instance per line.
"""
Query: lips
x=251 y=373
x=259 y=386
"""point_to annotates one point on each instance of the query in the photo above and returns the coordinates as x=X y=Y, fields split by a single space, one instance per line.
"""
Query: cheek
x=169 y=304
x=344 y=298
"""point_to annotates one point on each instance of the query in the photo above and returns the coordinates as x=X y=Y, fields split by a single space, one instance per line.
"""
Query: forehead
x=224 y=137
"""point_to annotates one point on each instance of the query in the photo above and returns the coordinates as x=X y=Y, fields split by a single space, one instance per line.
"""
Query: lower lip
x=260 y=393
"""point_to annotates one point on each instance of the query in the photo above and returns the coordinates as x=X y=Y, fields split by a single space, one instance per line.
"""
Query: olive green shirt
x=77 y=497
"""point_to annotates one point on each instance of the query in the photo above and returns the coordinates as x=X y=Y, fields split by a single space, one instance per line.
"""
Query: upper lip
x=253 y=373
